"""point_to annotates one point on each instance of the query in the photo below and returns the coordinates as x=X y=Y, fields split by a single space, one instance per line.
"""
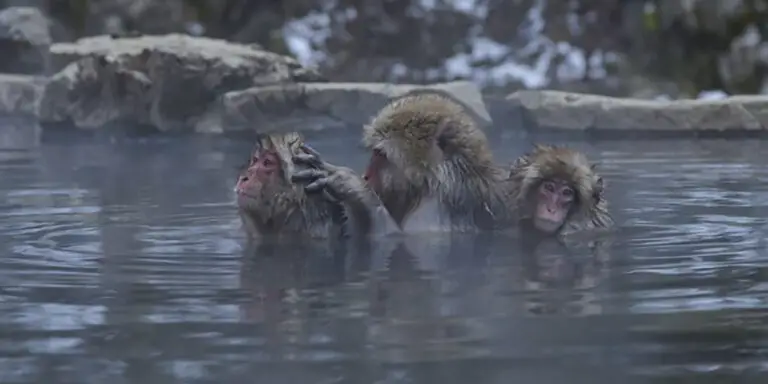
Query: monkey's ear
x=594 y=167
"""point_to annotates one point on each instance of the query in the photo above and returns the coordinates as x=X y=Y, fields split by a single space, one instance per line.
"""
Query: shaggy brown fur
x=435 y=151
x=548 y=162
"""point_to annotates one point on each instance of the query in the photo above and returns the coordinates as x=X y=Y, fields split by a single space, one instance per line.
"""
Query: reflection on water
x=123 y=262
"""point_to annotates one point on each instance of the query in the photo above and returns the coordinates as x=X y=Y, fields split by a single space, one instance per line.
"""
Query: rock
x=166 y=82
x=19 y=94
x=95 y=92
x=555 y=110
x=24 y=40
x=315 y=106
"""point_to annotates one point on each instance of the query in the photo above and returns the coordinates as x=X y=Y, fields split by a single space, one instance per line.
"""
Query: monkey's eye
x=549 y=187
x=567 y=192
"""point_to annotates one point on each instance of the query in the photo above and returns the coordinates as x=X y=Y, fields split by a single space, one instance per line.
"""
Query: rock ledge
x=564 y=111
x=167 y=82
x=321 y=106
x=178 y=82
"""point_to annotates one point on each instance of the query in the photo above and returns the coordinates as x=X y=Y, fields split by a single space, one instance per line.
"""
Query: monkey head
x=267 y=175
x=417 y=143
x=556 y=186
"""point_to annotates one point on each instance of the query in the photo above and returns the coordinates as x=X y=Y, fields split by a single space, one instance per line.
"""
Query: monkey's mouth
x=239 y=191
x=253 y=190
x=243 y=194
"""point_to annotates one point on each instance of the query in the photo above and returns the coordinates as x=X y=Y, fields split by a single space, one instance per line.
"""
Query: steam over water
x=123 y=262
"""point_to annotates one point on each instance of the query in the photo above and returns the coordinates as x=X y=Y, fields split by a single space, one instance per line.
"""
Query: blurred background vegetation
x=640 y=48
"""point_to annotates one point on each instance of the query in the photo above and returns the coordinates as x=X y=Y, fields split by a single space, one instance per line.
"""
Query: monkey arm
x=362 y=207
x=365 y=208
x=363 y=211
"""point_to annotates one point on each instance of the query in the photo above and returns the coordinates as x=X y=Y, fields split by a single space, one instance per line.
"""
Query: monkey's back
x=421 y=120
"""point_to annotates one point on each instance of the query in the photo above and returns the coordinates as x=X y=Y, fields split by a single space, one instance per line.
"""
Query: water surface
x=122 y=262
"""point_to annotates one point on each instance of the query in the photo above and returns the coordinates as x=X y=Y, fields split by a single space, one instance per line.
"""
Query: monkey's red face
x=554 y=199
x=262 y=170
x=391 y=185
x=375 y=169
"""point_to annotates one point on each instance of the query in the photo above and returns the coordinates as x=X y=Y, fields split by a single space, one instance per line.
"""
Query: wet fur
x=439 y=154
x=555 y=162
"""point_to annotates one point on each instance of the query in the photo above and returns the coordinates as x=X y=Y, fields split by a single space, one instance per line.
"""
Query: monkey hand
x=347 y=191
x=338 y=184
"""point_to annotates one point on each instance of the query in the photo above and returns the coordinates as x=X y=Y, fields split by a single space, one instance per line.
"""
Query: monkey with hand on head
x=271 y=203
x=557 y=191
x=430 y=161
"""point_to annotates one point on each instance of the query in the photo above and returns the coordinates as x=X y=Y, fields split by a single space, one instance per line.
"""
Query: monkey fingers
x=316 y=181
x=308 y=160
x=310 y=157
x=329 y=192
x=314 y=159
x=309 y=177
x=310 y=151
x=318 y=185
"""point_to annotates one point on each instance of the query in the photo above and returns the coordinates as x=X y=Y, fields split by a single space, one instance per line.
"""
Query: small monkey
x=271 y=203
x=429 y=157
x=557 y=191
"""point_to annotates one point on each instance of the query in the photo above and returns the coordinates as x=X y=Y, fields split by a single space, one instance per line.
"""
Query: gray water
x=123 y=262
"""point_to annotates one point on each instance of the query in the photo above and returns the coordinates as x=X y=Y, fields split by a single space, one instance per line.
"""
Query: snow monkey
x=557 y=191
x=431 y=164
x=271 y=201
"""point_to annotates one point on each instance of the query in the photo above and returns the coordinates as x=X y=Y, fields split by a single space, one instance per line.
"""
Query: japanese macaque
x=431 y=165
x=557 y=191
x=271 y=202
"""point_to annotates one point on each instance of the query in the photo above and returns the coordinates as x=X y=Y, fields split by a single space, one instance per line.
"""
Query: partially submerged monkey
x=428 y=157
x=271 y=202
x=430 y=161
x=557 y=191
